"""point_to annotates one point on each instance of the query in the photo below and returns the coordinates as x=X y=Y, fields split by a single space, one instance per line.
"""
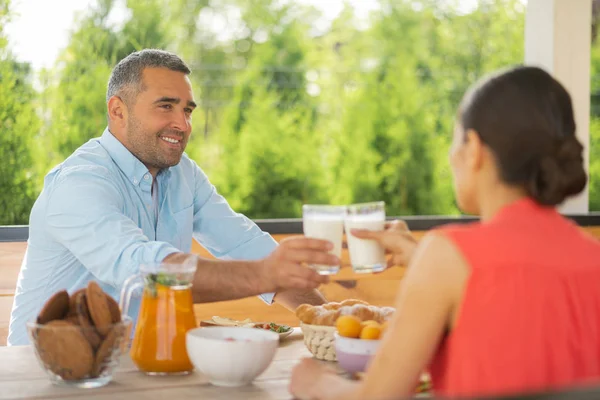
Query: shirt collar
x=133 y=168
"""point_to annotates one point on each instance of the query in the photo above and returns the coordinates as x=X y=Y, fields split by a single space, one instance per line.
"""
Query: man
x=133 y=197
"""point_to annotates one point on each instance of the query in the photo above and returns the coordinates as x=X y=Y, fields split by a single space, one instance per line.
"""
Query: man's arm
x=223 y=232
x=84 y=215
x=217 y=280
x=291 y=298
x=230 y=235
x=282 y=271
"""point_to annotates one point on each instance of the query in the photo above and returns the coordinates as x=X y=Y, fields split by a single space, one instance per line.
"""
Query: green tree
x=292 y=111
x=76 y=90
x=269 y=154
x=271 y=172
x=19 y=125
x=381 y=151
x=594 y=171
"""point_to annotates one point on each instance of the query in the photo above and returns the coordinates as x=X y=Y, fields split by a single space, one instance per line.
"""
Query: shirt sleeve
x=84 y=214
x=225 y=233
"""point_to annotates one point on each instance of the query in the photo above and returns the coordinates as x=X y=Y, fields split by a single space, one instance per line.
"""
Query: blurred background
x=302 y=101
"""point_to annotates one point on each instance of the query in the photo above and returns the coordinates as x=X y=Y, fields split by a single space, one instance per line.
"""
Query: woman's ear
x=474 y=150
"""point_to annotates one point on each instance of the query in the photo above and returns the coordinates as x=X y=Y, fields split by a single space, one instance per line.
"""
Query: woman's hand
x=312 y=380
x=396 y=239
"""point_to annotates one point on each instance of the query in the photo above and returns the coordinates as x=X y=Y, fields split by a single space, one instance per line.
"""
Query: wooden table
x=22 y=378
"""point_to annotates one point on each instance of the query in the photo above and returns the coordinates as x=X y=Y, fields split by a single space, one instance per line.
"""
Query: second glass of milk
x=325 y=222
x=366 y=255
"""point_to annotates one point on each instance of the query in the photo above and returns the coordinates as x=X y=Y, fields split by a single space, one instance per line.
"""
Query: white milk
x=329 y=228
x=365 y=255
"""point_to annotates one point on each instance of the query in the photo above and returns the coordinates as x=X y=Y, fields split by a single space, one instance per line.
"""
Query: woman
x=510 y=304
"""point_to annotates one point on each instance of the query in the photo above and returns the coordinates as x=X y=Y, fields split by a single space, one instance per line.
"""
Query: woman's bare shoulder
x=438 y=250
x=438 y=262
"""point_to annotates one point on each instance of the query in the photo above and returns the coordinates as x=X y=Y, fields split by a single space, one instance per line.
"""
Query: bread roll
x=331 y=306
x=386 y=313
x=327 y=314
x=351 y=302
x=307 y=313
x=327 y=318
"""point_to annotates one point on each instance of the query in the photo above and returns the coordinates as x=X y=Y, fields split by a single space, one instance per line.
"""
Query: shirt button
x=135 y=181
x=146 y=177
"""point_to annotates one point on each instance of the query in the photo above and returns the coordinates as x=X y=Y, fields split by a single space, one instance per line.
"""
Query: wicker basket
x=320 y=341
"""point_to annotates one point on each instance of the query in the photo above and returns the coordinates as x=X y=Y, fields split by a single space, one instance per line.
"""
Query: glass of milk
x=365 y=255
x=325 y=222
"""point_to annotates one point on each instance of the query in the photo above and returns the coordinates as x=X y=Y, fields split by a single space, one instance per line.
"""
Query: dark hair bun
x=559 y=174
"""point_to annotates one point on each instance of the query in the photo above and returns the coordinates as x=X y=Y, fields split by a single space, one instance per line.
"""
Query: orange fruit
x=369 y=322
x=348 y=326
x=371 y=332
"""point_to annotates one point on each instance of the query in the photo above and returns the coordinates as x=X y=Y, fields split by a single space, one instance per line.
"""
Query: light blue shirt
x=95 y=220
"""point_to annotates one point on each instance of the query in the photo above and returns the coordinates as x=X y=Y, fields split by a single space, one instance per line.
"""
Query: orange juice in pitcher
x=166 y=314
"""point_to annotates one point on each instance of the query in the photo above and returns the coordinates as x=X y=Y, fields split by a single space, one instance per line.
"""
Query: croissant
x=364 y=313
x=331 y=306
x=351 y=302
x=386 y=313
x=307 y=313
x=379 y=314
x=301 y=309
x=326 y=317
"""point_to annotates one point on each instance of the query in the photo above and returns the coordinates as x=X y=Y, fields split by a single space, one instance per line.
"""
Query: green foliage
x=270 y=173
x=269 y=163
x=594 y=172
x=19 y=125
x=291 y=111
x=76 y=89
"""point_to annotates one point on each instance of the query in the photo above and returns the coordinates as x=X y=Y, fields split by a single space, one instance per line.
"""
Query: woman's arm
x=428 y=296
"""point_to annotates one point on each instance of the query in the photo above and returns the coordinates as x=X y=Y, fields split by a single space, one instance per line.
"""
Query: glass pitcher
x=166 y=314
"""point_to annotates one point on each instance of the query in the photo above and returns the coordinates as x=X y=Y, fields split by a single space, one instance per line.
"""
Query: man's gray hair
x=126 y=78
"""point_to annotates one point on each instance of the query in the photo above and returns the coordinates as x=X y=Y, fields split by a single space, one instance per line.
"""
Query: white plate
x=285 y=334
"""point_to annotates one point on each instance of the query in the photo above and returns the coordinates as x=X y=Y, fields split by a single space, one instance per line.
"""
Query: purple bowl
x=354 y=355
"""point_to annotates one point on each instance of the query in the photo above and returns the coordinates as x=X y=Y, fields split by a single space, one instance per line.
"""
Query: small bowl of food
x=356 y=342
x=231 y=356
x=354 y=355
x=78 y=338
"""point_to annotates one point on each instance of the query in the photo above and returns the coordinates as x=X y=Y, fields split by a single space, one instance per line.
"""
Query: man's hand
x=396 y=239
x=283 y=268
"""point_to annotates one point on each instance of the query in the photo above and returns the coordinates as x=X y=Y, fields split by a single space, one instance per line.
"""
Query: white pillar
x=558 y=37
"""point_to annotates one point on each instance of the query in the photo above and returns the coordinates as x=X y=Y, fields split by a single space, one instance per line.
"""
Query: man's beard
x=146 y=148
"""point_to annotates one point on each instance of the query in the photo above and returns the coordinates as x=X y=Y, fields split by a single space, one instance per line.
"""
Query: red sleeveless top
x=530 y=315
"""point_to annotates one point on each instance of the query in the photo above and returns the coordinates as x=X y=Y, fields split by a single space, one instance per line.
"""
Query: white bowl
x=354 y=355
x=231 y=363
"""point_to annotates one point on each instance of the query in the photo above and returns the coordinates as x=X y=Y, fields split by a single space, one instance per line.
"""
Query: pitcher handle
x=131 y=284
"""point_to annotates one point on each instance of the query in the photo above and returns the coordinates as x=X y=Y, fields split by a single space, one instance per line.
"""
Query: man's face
x=159 y=122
